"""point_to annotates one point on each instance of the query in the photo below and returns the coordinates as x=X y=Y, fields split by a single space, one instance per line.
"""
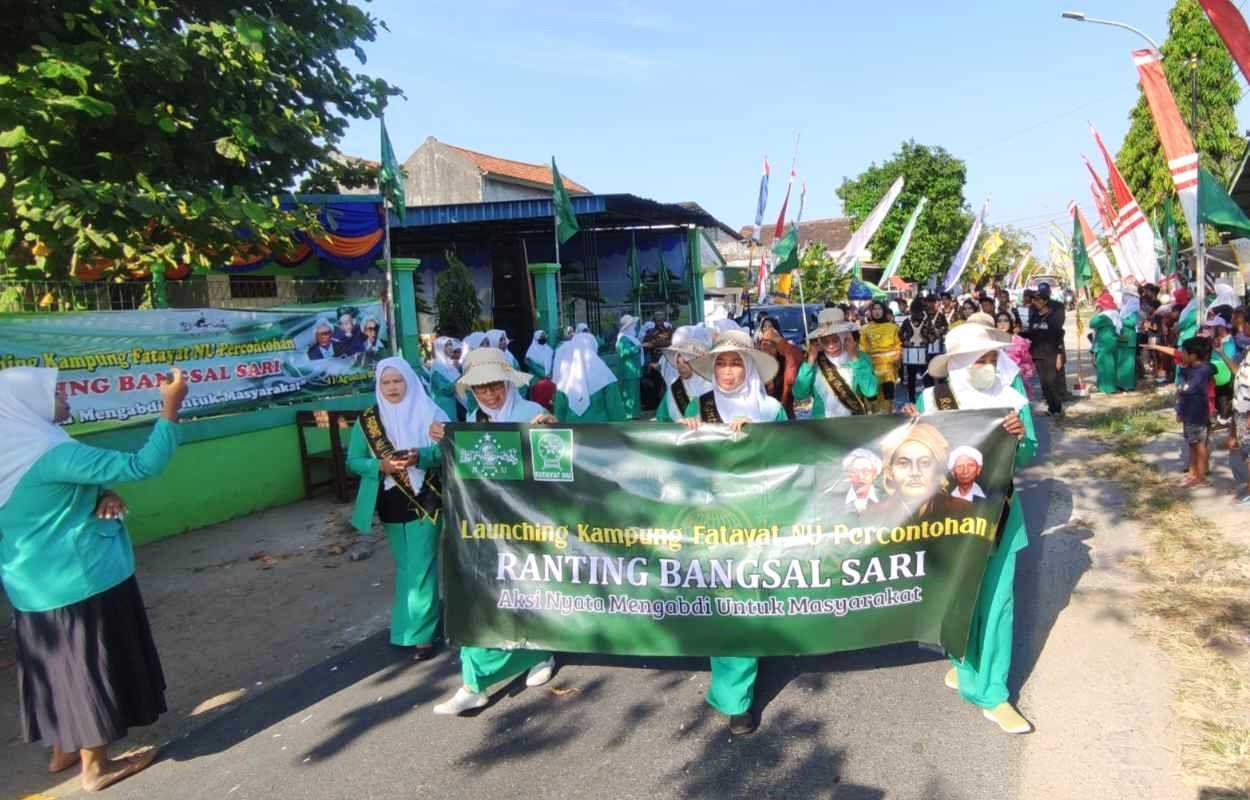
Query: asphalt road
x=864 y=725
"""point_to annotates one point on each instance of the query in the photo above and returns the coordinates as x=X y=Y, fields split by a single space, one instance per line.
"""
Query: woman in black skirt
x=87 y=668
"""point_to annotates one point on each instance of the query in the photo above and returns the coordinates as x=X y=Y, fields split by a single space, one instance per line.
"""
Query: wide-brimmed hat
x=488 y=365
x=687 y=342
x=735 y=342
x=626 y=321
x=832 y=321
x=964 y=340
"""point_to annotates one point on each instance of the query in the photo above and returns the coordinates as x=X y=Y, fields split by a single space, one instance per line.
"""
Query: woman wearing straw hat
x=839 y=379
x=444 y=372
x=975 y=367
x=494 y=382
x=684 y=384
x=394 y=449
x=1106 y=326
x=629 y=355
x=737 y=373
x=586 y=389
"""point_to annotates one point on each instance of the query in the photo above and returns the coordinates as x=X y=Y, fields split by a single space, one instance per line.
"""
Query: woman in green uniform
x=586 y=389
x=837 y=377
x=980 y=375
x=629 y=357
x=1106 y=326
x=494 y=382
x=684 y=384
x=1126 y=341
x=737 y=373
x=394 y=450
x=444 y=373
x=539 y=358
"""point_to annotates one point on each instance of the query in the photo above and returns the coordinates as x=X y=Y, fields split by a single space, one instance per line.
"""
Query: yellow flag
x=992 y=243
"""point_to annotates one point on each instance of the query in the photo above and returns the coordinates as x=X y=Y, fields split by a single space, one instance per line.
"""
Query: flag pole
x=390 y=279
x=1200 y=255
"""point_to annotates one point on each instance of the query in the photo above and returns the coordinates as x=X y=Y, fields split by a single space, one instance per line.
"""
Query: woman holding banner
x=737 y=373
x=839 y=379
x=494 y=383
x=87 y=668
x=394 y=449
x=689 y=342
x=586 y=388
x=980 y=375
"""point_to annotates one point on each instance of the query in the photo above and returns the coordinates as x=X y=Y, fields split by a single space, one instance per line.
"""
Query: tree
x=823 y=282
x=1219 y=144
x=928 y=172
x=458 y=306
x=151 y=133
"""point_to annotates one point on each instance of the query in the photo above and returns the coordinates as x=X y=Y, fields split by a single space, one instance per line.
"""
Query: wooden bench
x=335 y=460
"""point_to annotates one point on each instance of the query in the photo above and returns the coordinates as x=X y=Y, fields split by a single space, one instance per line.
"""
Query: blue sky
x=681 y=100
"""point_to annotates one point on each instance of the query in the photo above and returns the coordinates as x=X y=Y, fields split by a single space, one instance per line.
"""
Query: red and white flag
x=761 y=279
x=1178 y=147
x=1231 y=26
x=1137 y=241
x=1097 y=254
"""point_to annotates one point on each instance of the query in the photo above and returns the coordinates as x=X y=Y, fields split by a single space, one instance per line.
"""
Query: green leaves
x=13 y=137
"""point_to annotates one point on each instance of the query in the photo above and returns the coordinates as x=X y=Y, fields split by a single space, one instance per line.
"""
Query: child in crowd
x=1239 y=453
x=1193 y=406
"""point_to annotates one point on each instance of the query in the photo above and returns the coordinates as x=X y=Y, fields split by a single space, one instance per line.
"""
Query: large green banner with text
x=803 y=537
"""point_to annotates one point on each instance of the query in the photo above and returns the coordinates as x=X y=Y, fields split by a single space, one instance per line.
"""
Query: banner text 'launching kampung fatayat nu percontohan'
x=803 y=537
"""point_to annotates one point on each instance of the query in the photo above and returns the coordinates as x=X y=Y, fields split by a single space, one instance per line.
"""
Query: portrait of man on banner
x=915 y=459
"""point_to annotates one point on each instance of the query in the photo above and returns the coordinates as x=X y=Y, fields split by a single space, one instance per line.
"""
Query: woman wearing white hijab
x=499 y=339
x=629 y=359
x=684 y=384
x=394 y=449
x=444 y=373
x=540 y=358
x=586 y=389
x=87 y=668
x=973 y=366
x=1126 y=341
x=489 y=376
x=737 y=373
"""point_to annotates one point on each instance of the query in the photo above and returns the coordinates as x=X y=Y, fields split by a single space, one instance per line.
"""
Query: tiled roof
x=531 y=173
x=834 y=233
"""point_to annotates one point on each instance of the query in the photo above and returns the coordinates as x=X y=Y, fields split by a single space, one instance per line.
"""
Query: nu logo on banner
x=551 y=454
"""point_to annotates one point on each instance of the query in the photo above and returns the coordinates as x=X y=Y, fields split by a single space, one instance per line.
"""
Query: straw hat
x=687 y=342
x=488 y=365
x=735 y=342
x=965 y=340
x=626 y=321
x=831 y=321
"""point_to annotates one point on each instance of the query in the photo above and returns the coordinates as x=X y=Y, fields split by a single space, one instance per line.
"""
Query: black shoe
x=427 y=653
x=743 y=724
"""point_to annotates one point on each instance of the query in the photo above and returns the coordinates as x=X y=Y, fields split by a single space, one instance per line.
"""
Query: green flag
x=633 y=270
x=1217 y=208
x=662 y=274
x=566 y=220
x=1171 y=239
x=390 y=181
x=1081 y=272
x=786 y=251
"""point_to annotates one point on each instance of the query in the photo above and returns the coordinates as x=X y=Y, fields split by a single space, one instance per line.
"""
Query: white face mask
x=981 y=376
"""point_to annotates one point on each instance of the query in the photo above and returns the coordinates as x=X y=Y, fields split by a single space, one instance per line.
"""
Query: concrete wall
x=495 y=191
x=439 y=175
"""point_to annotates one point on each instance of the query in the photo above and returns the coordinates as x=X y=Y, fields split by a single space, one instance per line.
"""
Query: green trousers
x=1105 y=364
x=987 y=662
x=484 y=667
x=1126 y=367
x=414 y=610
x=733 y=684
x=629 y=397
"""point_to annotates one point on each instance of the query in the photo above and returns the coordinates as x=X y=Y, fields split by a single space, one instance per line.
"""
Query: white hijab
x=541 y=354
x=1226 y=295
x=696 y=385
x=580 y=372
x=505 y=412
x=749 y=400
x=1129 y=304
x=27 y=429
x=1113 y=315
x=470 y=343
x=407 y=423
x=1000 y=394
x=493 y=337
x=443 y=364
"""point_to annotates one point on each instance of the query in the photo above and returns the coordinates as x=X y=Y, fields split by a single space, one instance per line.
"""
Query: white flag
x=859 y=240
x=965 y=250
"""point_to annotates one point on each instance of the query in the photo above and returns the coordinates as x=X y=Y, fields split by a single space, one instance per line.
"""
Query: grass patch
x=1197 y=598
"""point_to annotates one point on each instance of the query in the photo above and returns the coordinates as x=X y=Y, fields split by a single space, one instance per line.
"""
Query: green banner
x=794 y=538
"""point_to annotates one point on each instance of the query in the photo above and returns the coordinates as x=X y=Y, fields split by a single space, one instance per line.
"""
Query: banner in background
x=806 y=537
x=112 y=362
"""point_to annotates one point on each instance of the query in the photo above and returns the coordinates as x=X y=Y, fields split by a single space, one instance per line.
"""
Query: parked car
x=789 y=317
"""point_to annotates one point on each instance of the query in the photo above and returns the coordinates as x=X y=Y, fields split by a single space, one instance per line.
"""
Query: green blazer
x=361 y=461
x=630 y=368
x=863 y=382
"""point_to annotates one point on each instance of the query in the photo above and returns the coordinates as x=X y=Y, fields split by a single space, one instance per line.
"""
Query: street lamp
x=1079 y=16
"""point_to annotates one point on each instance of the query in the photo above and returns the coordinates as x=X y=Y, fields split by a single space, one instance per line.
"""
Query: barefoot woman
x=87 y=668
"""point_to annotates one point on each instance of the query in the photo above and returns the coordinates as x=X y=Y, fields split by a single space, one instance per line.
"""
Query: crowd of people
x=88 y=668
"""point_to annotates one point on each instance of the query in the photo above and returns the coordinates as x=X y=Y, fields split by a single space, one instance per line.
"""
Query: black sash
x=429 y=499
x=945 y=397
x=680 y=396
x=707 y=408
x=845 y=394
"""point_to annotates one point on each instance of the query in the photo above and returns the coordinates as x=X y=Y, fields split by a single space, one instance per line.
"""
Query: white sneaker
x=541 y=673
x=463 y=700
